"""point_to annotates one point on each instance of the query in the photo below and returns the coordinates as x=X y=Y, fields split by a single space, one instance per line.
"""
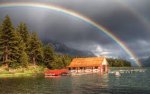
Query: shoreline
x=14 y=75
x=31 y=71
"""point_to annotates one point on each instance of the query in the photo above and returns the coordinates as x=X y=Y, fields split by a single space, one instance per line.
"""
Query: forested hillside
x=20 y=48
x=118 y=63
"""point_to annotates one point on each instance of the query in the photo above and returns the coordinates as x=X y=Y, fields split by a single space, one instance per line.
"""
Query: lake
x=127 y=83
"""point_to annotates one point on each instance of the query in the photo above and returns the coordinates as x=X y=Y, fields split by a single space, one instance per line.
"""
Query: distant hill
x=63 y=49
x=145 y=62
x=118 y=63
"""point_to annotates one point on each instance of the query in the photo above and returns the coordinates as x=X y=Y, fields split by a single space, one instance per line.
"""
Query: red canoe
x=56 y=72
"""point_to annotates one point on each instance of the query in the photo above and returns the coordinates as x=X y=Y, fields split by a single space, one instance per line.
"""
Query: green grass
x=21 y=72
x=15 y=75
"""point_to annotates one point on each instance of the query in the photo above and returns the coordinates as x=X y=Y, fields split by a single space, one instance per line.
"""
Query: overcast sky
x=129 y=20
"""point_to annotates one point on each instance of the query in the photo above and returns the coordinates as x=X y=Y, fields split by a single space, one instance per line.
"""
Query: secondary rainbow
x=77 y=15
x=140 y=17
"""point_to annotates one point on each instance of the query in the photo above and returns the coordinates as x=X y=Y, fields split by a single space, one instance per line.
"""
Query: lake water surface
x=128 y=83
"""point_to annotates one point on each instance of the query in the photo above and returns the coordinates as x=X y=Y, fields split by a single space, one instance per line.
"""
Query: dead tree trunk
x=5 y=56
x=33 y=60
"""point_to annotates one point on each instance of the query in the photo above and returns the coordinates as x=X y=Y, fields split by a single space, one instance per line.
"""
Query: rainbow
x=139 y=16
x=77 y=15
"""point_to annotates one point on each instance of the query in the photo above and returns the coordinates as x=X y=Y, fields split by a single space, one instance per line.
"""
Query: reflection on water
x=128 y=83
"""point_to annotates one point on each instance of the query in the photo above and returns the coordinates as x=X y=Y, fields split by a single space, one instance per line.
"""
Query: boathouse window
x=81 y=68
x=74 y=68
x=96 y=67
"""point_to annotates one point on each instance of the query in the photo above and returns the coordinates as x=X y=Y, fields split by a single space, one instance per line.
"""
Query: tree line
x=118 y=63
x=20 y=48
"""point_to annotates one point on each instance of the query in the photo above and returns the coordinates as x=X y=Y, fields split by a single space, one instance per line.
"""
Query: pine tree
x=35 y=49
x=57 y=62
x=66 y=59
x=7 y=40
x=1 y=53
x=48 y=55
x=23 y=30
x=11 y=44
x=60 y=61
x=23 y=58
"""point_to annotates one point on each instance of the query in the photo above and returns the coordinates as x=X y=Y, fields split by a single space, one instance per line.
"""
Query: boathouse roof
x=87 y=62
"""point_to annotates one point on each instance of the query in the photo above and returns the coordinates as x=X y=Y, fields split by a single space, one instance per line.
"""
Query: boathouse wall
x=89 y=65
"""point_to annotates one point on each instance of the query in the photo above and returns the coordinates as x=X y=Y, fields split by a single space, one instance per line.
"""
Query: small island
x=22 y=53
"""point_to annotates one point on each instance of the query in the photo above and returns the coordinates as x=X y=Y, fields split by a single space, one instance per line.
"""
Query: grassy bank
x=21 y=72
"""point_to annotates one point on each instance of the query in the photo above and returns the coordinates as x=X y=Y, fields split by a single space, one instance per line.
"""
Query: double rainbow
x=77 y=15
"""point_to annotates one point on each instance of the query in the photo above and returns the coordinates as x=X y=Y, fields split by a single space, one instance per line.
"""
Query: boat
x=117 y=73
x=56 y=73
x=52 y=76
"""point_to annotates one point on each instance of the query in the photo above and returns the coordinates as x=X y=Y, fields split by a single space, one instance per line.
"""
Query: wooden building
x=88 y=65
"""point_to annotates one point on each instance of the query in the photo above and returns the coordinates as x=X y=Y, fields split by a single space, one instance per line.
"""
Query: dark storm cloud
x=125 y=25
x=119 y=19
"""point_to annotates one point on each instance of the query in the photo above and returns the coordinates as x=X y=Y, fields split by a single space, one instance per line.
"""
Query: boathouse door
x=105 y=65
